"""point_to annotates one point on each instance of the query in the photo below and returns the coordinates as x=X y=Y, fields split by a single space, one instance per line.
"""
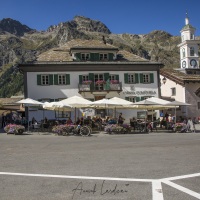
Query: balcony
x=108 y=87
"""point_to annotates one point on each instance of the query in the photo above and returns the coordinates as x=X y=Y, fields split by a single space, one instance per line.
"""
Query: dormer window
x=103 y=56
x=85 y=56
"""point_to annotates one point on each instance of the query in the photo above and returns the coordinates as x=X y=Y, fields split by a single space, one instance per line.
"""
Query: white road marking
x=157 y=192
x=181 y=177
x=183 y=189
x=77 y=177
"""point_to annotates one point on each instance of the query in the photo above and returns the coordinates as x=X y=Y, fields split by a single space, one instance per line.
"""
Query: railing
x=100 y=87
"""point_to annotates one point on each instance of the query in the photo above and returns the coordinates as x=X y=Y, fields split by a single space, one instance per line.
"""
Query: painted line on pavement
x=77 y=177
x=183 y=189
x=157 y=192
x=180 y=177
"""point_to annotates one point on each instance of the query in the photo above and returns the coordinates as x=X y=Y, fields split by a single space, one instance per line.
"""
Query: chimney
x=104 y=40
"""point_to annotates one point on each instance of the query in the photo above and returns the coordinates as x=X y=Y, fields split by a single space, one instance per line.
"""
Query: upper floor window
x=85 y=77
x=131 y=78
x=103 y=56
x=191 y=36
x=62 y=79
x=183 y=52
x=191 y=51
x=112 y=77
x=173 y=91
x=85 y=56
x=44 y=79
x=146 y=78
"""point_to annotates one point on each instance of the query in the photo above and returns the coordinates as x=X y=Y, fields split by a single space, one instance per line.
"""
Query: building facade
x=91 y=69
x=183 y=84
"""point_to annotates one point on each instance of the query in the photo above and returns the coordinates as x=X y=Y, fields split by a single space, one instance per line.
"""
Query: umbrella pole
x=175 y=116
x=28 y=119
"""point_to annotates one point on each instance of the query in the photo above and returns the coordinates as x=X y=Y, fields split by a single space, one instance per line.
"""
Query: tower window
x=173 y=91
x=183 y=52
x=191 y=51
x=191 y=36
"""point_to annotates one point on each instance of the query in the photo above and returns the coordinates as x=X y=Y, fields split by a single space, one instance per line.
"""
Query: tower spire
x=186 y=19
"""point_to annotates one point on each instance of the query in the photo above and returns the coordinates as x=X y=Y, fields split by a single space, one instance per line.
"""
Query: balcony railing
x=108 y=87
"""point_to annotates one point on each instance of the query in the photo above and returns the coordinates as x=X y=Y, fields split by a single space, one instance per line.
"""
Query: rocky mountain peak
x=13 y=27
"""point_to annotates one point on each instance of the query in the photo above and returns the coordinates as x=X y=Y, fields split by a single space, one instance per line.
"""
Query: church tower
x=189 y=47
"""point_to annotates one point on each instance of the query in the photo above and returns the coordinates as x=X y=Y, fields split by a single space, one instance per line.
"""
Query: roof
x=179 y=77
x=63 y=53
x=186 y=27
x=9 y=101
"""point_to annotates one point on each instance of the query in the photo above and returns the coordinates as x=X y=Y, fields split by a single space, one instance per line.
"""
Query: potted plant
x=114 y=81
x=99 y=82
x=14 y=129
x=88 y=82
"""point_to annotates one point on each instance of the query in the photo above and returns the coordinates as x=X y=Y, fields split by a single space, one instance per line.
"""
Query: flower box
x=14 y=129
x=114 y=82
x=115 y=128
x=99 y=82
x=88 y=82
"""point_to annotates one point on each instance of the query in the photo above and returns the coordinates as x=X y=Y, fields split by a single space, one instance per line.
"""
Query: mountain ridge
x=19 y=44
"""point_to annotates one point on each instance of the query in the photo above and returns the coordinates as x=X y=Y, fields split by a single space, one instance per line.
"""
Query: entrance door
x=100 y=112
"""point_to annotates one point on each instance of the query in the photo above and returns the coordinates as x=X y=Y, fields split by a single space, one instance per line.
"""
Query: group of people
x=7 y=118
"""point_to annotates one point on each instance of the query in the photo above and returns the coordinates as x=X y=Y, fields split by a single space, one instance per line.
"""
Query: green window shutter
x=137 y=99
x=91 y=77
x=38 y=79
x=126 y=78
x=96 y=56
x=55 y=79
x=106 y=76
x=50 y=79
x=117 y=77
x=110 y=56
x=151 y=78
x=92 y=58
x=142 y=98
x=127 y=98
x=67 y=79
x=80 y=79
x=141 y=78
x=78 y=56
x=136 y=78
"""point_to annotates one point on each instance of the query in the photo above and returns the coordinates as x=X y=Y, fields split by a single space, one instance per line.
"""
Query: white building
x=183 y=84
x=66 y=71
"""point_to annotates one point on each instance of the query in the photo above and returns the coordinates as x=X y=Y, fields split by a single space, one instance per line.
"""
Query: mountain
x=19 y=43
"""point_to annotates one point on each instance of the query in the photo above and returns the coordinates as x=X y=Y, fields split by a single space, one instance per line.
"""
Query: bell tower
x=189 y=46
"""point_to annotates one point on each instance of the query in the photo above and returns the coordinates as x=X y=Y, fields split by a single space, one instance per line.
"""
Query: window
x=85 y=56
x=103 y=56
x=112 y=77
x=191 y=51
x=44 y=79
x=146 y=78
x=173 y=91
x=198 y=105
x=131 y=78
x=183 y=52
x=62 y=79
x=191 y=36
x=85 y=77
x=132 y=99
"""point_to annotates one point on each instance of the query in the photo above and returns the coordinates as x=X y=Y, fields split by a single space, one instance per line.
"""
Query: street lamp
x=164 y=80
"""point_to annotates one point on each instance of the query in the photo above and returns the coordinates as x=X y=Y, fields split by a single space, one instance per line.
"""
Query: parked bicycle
x=78 y=130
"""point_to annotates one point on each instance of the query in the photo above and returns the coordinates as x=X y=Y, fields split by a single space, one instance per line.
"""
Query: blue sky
x=127 y=16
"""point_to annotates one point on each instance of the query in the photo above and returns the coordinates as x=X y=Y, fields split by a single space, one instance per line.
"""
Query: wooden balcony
x=100 y=87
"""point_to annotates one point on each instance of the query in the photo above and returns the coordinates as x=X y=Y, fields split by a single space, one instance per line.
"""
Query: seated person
x=34 y=121
x=69 y=121
x=78 y=121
